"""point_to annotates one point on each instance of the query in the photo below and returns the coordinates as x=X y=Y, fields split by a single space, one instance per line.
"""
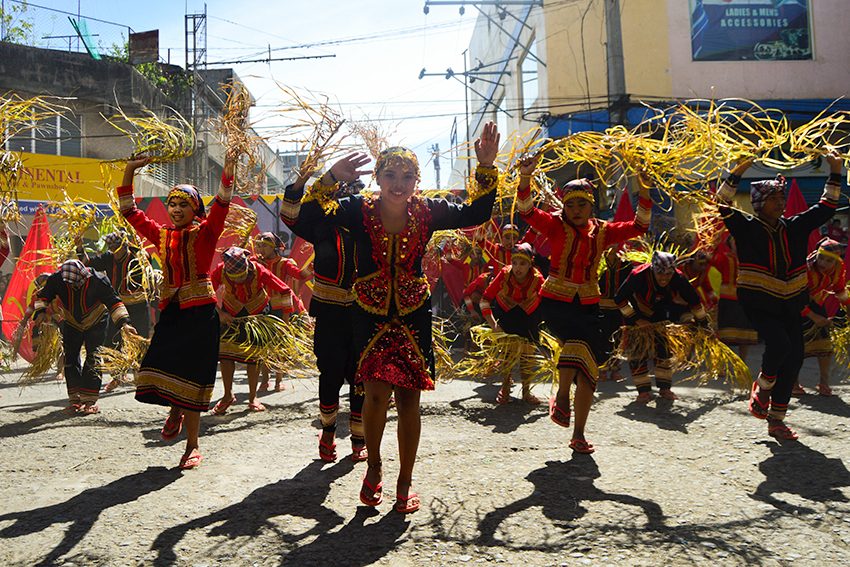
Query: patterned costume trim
x=757 y=280
x=393 y=356
x=395 y=256
x=578 y=354
x=174 y=389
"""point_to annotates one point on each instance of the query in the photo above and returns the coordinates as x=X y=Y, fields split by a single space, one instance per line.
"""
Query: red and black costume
x=392 y=317
x=772 y=283
x=514 y=304
x=86 y=310
x=641 y=297
x=249 y=296
x=124 y=272
x=180 y=366
x=822 y=286
x=571 y=290
x=733 y=327
x=331 y=307
x=477 y=287
x=610 y=319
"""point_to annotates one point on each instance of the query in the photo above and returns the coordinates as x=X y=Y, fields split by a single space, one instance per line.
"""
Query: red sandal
x=327 y=451
x=371 y=495
x=756 y=407
x=581 y=446
x=558 y=415
x=222 y=406
x=782 y=432
x=190 y=461
x=359 y=453
x=407 y=504
x=172 y=428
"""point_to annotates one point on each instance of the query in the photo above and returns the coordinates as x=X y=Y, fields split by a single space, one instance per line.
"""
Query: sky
x=379 y=48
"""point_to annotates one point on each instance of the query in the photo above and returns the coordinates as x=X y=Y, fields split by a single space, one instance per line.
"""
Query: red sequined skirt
x=395 y=349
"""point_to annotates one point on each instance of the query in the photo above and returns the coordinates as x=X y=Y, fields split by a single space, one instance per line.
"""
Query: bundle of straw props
x=241 y=142
x=48 y=350
x=691 y=348
x=163 y=139
x=277 y=344
x=124 y=360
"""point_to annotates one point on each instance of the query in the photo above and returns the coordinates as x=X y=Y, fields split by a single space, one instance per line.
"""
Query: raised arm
x=144 y=225
x=734 y=219
x=823 y=210
x=617 y=232
x=543 y=222
x=299 y=211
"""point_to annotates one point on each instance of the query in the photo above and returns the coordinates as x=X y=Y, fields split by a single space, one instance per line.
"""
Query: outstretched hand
x=348 y=168
x=527 y=164
x=487 y=145
x=835 y=161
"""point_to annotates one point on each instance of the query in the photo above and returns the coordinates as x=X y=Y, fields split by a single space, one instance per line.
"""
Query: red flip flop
x=581 y=446
x=407 y=504
x=193 y=460
x=376 y=493
x=558 y=415
x=757 y=409
x=172 y=428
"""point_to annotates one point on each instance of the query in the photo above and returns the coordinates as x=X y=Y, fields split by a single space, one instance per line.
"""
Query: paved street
x=695 y=482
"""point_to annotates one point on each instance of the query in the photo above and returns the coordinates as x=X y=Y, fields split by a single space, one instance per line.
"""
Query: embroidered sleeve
x=215 y=276
x=213 y=226
x=623 y=299
x=272 y=283
x=144 y=225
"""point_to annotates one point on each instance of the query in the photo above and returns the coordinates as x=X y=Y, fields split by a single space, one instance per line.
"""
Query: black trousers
x=782 y=332
x=335 y=358
x=82 y=378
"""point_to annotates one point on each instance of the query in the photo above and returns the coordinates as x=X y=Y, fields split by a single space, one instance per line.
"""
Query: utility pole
x=614 y=56
x=435 y=153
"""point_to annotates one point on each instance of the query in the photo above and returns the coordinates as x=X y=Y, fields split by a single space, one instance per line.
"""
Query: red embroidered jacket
x=576 y=251
x=286 y=270
x=510 y=293
x=186 y=253
x=253 y=293
x=821 y=285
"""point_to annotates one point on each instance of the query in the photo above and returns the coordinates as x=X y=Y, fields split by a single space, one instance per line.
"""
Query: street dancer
x=510 y=305
x=772 y=281
x=392 y=318
x=571 y=290
x=331 y=307
x=826 y=278
x=179 y=367
x=653 y=294
x=244 y=287
x=88 y=301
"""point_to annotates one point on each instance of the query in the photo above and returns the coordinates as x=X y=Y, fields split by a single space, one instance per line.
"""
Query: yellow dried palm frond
x=163 y=139
x=48 y=350
x=125 y=360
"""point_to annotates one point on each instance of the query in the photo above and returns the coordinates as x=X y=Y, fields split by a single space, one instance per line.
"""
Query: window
x=57 y=135
x=529 y=84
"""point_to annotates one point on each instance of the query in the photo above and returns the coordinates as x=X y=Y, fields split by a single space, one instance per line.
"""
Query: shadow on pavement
x=83 y=510
x=355 y=544
x=796 y=469
x=673 y=415
x=832 y=405
x=505 y=418
x=560 y=489
x=302 y=496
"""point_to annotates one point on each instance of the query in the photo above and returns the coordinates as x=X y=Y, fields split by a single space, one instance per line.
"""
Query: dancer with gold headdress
x=772 y=282
x=269 y=248
x=826 y=278
x=88 y=301
x=179 y=367
x=510 y=305
x=246 y=287
x=571 y=290
x=392 y=317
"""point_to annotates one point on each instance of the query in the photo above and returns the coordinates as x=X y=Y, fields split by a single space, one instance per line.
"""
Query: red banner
x=36 y=259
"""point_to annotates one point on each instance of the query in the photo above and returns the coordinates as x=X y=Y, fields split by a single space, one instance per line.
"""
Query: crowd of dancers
x=371 y=306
